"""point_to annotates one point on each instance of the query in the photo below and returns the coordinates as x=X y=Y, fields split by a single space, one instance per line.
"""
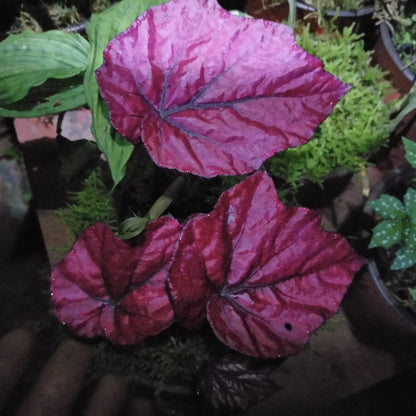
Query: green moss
x=94 y=203
x=169 y=358
x=25 y=22
x=357 y=126
x=98 y=6
x=62 y=15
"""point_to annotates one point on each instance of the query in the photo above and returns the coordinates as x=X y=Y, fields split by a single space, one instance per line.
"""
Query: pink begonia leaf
x=265 y=276
x=212 y=93
x=106 y=287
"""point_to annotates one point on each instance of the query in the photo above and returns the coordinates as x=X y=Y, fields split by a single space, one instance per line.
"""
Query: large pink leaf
x=105 y=287
x=211 y=93
x=265 y=275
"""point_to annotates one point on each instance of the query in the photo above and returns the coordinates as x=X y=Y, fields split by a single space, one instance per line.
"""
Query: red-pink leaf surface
x=265 y=276
x=105 y=287
x=211 y=93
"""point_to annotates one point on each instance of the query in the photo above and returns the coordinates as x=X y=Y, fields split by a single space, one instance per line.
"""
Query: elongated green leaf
x=408 y=106
x=29 y=59
x=42 y=102
x=101 y=29
x=410 y=148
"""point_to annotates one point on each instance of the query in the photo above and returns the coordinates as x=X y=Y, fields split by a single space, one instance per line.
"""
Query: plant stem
x=292 y=13
x=163 y=202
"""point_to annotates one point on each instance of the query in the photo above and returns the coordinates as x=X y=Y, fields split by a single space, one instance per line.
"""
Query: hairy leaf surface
x=211 y=93
x=265 y=276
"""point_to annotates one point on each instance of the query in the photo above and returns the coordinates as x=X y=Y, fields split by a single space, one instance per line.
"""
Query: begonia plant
x=208 y=93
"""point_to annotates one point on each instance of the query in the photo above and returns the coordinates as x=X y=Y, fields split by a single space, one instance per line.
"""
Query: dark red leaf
x=105 y=287
x=234 y=384
x=211 y=93
x=268 y=275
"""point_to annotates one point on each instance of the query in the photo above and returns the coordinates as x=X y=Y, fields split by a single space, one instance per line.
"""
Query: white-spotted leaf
x=387 y=233
x=409 y=233
x=405 y=258
x=410 y=148
x=410 y=202
x=388 y=207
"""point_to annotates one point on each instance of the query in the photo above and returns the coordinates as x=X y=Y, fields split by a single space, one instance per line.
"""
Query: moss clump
x=62 y=15
x=169 y=358
x=359 y=123
x=93 y=203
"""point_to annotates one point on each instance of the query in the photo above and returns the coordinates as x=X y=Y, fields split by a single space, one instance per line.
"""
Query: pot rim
x=374 y=273
x=342 y=13
x=385 y=34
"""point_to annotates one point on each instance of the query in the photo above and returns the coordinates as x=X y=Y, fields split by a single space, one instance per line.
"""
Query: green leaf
x=410 y=234
x=408 y=106
x=405 y=258
x=387 y=233
x=412 y=293
x=42 y=102
x=101 y=29
x=410 y=148
x=388 y=207
x=132 y=227
x=29 y=59
x=410 y=203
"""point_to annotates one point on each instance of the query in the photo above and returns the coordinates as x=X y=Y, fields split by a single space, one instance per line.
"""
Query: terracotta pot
x=386 y=56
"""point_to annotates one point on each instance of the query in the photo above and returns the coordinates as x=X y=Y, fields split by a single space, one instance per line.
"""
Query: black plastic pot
x=362 y=18
x=386 y=56
x=375 y=313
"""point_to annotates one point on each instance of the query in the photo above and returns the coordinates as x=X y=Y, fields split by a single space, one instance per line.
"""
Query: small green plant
x=404 y=39
x=399 y=220
x=390 y=11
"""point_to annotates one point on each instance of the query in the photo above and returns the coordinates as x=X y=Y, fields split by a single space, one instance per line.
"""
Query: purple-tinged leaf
x=211 y=93
x=106 y=287
x=266 y=276
x=234 y=384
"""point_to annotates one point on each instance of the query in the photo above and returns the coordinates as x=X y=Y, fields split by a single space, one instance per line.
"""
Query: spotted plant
x=398 y=225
